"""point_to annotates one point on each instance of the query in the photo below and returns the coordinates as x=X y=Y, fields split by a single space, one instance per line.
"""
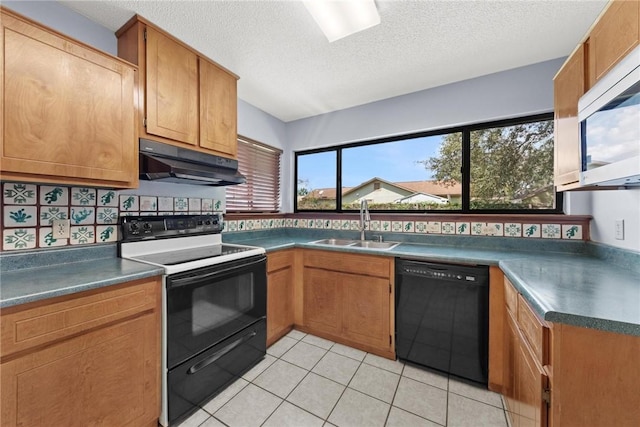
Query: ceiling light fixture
x=341 y=18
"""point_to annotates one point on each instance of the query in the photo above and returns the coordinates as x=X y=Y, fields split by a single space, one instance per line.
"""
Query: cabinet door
x=322 y=300
x=106 y=377
x=68 y=110
x=568 y=87
x=365 y=310
x=616 y=34
x=172 y=89
x=218 y=109
x=531 y=380
x=279 y=303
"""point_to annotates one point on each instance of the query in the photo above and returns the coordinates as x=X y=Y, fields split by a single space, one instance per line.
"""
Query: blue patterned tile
x=128 y=203
x=19 y=194
x=46 y=239
x=106 y=233
x=20 y=216
x=18 y=238
x=108 y=198
x=463 y=228
x=551 y=231
x=83 y=234
x=83 y=196
x=570 y=231
x=80 y=215
x=180 y=204
x=107 y=215
x=54 y=196
x=49 y=213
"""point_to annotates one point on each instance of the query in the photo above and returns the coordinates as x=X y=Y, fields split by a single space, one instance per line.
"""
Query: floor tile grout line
x=386 y=420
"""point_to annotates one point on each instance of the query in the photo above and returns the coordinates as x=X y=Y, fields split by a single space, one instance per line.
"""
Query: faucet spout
x=364 y=217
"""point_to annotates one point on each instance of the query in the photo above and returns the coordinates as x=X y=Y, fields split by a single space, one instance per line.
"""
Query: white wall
x=606 y=206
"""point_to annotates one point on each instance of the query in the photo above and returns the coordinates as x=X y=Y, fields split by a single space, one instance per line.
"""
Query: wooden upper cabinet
x=218 y=109
x=185 y=99
x=68 y=110
x=568 y=87
x=172 y=89
x=615 y=34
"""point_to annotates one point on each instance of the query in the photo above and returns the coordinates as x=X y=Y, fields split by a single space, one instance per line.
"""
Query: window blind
x=260 y=164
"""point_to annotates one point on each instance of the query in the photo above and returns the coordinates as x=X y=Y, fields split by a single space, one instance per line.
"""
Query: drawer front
x=39 y=324
x=367 y=265
x=536 y=333
x=279 y=260
x=510 y=296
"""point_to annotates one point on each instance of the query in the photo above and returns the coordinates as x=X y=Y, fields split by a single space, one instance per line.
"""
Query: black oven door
x=207 y=305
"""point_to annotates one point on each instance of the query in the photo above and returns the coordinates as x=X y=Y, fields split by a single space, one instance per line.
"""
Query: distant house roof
x=432 y=187
x=426 y=187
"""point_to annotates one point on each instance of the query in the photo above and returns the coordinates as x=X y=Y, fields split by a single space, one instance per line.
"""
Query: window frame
x=466 y=170
x=277 y=188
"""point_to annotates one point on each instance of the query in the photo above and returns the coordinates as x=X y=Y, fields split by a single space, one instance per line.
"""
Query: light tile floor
x=307 y=381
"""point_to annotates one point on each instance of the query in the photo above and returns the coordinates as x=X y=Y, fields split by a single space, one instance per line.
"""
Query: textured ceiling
x=288 y=69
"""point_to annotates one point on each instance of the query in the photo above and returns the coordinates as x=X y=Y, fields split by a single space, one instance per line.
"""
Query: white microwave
x=609 y=115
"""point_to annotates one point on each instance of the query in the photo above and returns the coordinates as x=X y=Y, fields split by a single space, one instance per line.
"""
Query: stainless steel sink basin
x=374 y=245
x=334 y=242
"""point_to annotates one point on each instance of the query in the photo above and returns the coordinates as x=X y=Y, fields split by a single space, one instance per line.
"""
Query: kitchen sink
x=335 y=242
x=357 y=243
x=374 y=245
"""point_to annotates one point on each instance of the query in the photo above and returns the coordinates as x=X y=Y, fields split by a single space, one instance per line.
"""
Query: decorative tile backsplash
x=496 y=229
x=28 y=211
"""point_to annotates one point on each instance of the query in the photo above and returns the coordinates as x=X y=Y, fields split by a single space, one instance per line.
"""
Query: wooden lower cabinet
x=280 y=266
x=365 y=316
x=525 y=382
x=349 y=299
x=107 y=375
x=322 y=301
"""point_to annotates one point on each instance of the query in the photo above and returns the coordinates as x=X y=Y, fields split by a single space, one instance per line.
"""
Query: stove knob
x=146 y=227
x=133 y=228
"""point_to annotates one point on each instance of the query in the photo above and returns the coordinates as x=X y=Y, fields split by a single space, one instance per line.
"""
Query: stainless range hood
x=167 y=163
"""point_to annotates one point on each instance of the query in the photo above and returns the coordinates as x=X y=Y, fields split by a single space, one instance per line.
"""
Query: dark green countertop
x=37 y=275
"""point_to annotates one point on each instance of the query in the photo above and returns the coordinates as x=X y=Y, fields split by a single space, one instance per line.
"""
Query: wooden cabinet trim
x=534 y=331
x=29 y=326
x=367 y=265
x=279 y=260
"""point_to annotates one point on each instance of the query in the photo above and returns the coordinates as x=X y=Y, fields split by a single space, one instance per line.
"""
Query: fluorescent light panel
x=341 y=18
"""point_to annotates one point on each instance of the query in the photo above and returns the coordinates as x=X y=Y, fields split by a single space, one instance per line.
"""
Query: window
x=497 y=167
x=260 y=164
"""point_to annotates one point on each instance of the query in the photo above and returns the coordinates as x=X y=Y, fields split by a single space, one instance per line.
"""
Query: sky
x=392 y=161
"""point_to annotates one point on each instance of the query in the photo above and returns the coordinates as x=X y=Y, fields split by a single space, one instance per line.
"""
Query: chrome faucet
x=364 y=216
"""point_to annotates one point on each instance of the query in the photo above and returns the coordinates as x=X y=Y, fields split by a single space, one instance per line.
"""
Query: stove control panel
x=157 y=227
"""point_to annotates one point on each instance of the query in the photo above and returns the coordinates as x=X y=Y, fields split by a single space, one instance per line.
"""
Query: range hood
x=167 y=163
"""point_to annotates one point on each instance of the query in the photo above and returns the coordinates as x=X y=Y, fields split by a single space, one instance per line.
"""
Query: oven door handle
x=195 y=279
x=218 y=354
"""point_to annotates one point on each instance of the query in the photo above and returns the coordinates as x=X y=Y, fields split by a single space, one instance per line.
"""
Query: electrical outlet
x=61 y=228
x=620 y=229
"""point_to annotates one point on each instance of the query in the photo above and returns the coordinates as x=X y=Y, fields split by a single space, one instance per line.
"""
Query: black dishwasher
x=442 y=317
